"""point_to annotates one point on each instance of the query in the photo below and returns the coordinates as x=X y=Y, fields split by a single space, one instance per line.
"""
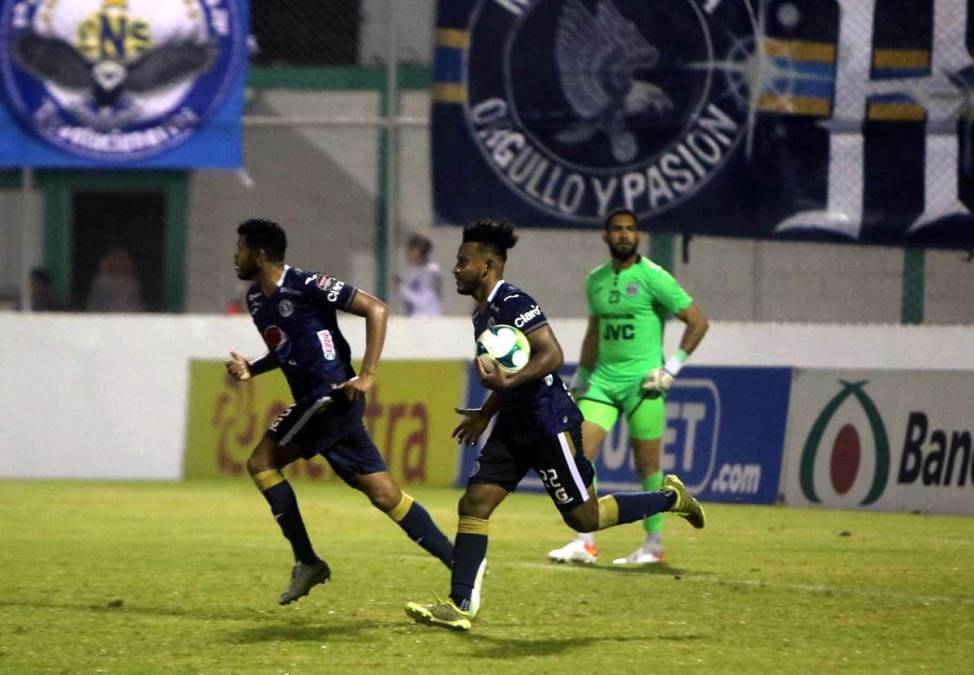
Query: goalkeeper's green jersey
x=632 y=306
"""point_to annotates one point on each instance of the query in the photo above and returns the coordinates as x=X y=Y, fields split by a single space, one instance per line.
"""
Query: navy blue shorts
x=558 y=460
x=332 y=428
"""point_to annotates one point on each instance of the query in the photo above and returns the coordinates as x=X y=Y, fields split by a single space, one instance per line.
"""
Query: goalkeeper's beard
x=622 y=255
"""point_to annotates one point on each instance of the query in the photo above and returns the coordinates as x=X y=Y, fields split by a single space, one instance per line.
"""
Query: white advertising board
x=105 y=396
x=883 y=440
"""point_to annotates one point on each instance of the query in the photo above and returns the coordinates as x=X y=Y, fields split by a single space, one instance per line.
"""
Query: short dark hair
x=496 y=235
x=266 y=235
x=620 y=212
x=421 y=242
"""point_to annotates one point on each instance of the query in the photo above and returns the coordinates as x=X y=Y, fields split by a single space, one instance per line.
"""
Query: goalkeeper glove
x=659 y=380
x=579 y=383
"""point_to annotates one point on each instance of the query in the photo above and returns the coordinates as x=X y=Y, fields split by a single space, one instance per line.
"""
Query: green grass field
x=183 y=578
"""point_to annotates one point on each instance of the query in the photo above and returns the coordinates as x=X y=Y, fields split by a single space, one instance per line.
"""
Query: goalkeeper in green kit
x=622 y=370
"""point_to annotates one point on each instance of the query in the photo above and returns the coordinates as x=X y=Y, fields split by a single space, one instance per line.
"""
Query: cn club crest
x=580 y=106
x=119 y=80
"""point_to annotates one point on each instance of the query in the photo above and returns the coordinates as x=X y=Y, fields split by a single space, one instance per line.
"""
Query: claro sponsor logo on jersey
x=927 y=457
x=331 y=286
x=119 y=79
x=525 y=318
x=641 y=103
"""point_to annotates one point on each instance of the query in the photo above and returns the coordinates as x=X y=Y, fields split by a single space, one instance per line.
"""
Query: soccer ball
x=506 y=345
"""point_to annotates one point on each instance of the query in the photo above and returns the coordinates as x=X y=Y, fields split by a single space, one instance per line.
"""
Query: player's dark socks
x=469 y=551
x=284 y=505
x=417 y=523
x=628 y=507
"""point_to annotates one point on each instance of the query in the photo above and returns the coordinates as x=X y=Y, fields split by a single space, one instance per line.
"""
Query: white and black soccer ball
x=507 y=345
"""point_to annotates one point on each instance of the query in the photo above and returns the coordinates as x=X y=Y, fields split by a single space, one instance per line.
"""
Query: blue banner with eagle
x=843 y=120
x=122 y=83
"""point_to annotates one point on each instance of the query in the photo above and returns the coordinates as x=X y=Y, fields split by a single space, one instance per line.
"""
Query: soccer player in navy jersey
x=295 y=312
x=538 y=427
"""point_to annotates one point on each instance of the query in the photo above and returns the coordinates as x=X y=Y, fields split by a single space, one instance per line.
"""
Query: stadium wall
x=98 y=396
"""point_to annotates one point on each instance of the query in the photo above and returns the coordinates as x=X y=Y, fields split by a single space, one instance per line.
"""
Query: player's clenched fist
x=658 y=382
x=237 y=366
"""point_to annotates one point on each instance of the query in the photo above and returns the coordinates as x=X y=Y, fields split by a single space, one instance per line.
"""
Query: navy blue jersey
x=536 y=409
x=300 y=329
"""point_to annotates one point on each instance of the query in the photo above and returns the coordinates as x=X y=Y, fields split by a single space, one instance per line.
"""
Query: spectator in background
x=43 y=298
x=116 y=286
x=420 y=290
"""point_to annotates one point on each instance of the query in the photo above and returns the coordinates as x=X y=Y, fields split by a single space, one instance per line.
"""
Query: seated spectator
x=116 y=286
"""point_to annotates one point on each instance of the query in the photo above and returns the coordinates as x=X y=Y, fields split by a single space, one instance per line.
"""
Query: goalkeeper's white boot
x=575 y=551
x=641 y=556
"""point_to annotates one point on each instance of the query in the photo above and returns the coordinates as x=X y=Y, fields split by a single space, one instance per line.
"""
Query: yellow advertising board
x=409 y=414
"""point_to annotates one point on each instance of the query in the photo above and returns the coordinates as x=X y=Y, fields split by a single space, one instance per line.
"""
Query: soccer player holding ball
x=622 y=370
x=538 y=427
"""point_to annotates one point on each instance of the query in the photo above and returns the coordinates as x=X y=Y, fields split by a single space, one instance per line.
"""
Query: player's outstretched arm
x=241 y=369
x=376 y=315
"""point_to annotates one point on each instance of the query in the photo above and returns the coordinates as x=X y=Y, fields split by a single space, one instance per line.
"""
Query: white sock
x=586 y=537
x=653 y=543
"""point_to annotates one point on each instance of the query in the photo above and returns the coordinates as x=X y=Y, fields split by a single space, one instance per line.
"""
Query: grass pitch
x=183 y=578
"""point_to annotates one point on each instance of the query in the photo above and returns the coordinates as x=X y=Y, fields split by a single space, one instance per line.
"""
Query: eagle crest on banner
x=599 y=57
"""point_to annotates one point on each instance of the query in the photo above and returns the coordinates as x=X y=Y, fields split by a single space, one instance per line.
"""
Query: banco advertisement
x=409 y=415
x=883 y=440
x=724 y=435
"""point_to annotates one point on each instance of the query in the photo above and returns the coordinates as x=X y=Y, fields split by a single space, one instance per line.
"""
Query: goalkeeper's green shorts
x=605 y=399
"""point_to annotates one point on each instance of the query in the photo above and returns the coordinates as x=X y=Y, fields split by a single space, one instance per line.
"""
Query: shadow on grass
x=122 y=609
x=303 y=632
x=661 y=568
x=298 y=631
x=491 y=647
